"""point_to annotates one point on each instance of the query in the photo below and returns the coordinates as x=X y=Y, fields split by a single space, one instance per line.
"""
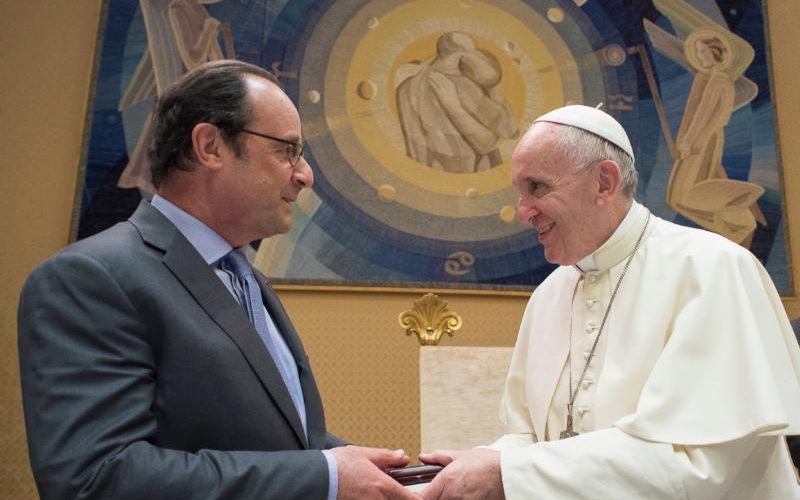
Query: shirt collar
x=210 y=245
x=619 y=245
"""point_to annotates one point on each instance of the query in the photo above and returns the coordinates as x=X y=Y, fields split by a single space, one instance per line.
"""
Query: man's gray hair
x=583 y=148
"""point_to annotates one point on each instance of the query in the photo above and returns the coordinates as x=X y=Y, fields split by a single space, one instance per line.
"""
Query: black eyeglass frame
x=297 y=145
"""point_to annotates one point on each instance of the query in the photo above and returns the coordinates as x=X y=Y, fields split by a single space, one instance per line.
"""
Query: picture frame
x=396 y=205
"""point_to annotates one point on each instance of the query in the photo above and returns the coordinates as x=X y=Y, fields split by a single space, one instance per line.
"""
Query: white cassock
x=694 y=382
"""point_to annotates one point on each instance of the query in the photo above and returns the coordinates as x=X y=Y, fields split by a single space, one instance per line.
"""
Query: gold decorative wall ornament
x=429 y=319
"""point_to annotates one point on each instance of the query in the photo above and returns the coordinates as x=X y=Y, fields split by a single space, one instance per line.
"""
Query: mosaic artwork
x=411 y=110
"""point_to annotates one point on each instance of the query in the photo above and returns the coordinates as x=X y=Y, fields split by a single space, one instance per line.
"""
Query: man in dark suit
x=146 y=373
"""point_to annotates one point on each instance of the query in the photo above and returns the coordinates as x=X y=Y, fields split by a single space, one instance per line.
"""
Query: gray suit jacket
x=143 y=379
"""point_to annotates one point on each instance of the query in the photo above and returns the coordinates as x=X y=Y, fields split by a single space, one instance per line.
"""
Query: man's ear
x=207 y=146
x=609 y=181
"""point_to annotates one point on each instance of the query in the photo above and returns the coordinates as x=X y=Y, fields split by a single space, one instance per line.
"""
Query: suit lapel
x=201 y=281
x=315 y=417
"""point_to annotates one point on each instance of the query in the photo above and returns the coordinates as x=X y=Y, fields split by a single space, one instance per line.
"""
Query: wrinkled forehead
x=540 y=140
x=538 y=152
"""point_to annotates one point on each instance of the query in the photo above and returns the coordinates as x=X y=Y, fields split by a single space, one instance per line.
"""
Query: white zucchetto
x=591 y=120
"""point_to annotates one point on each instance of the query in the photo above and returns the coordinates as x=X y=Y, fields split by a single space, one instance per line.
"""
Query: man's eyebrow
x=535 y=179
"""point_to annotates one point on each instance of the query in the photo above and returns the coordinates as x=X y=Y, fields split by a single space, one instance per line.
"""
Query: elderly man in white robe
x=657 y=362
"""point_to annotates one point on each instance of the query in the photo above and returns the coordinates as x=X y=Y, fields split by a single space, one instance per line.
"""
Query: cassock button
x=590 y=303
x=586 y=355
x=591 y=328
x=583 y=410
x=592 y=278
x=586 y=384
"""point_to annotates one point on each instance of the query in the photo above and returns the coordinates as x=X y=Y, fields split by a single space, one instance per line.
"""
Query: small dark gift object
x=414 y=474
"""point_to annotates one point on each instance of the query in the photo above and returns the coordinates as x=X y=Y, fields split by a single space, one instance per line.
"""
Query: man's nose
x=303 y=175
x=525 y=212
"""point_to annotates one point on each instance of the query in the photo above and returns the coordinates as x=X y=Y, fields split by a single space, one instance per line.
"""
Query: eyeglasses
x=293 y=152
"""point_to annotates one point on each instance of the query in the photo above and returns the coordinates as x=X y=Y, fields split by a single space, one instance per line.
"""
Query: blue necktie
x=237 y=263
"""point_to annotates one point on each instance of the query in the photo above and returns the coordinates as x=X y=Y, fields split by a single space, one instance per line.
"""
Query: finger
x=385 y=458
x=398 y=492
x=441 y=457
x=434 y=489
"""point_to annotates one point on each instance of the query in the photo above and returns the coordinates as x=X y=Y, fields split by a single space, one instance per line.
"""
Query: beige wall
x=368 y=369
x=48 y=50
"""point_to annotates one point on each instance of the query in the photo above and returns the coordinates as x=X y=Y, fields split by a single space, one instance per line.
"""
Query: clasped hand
x=362 y=473
x=468 y=474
